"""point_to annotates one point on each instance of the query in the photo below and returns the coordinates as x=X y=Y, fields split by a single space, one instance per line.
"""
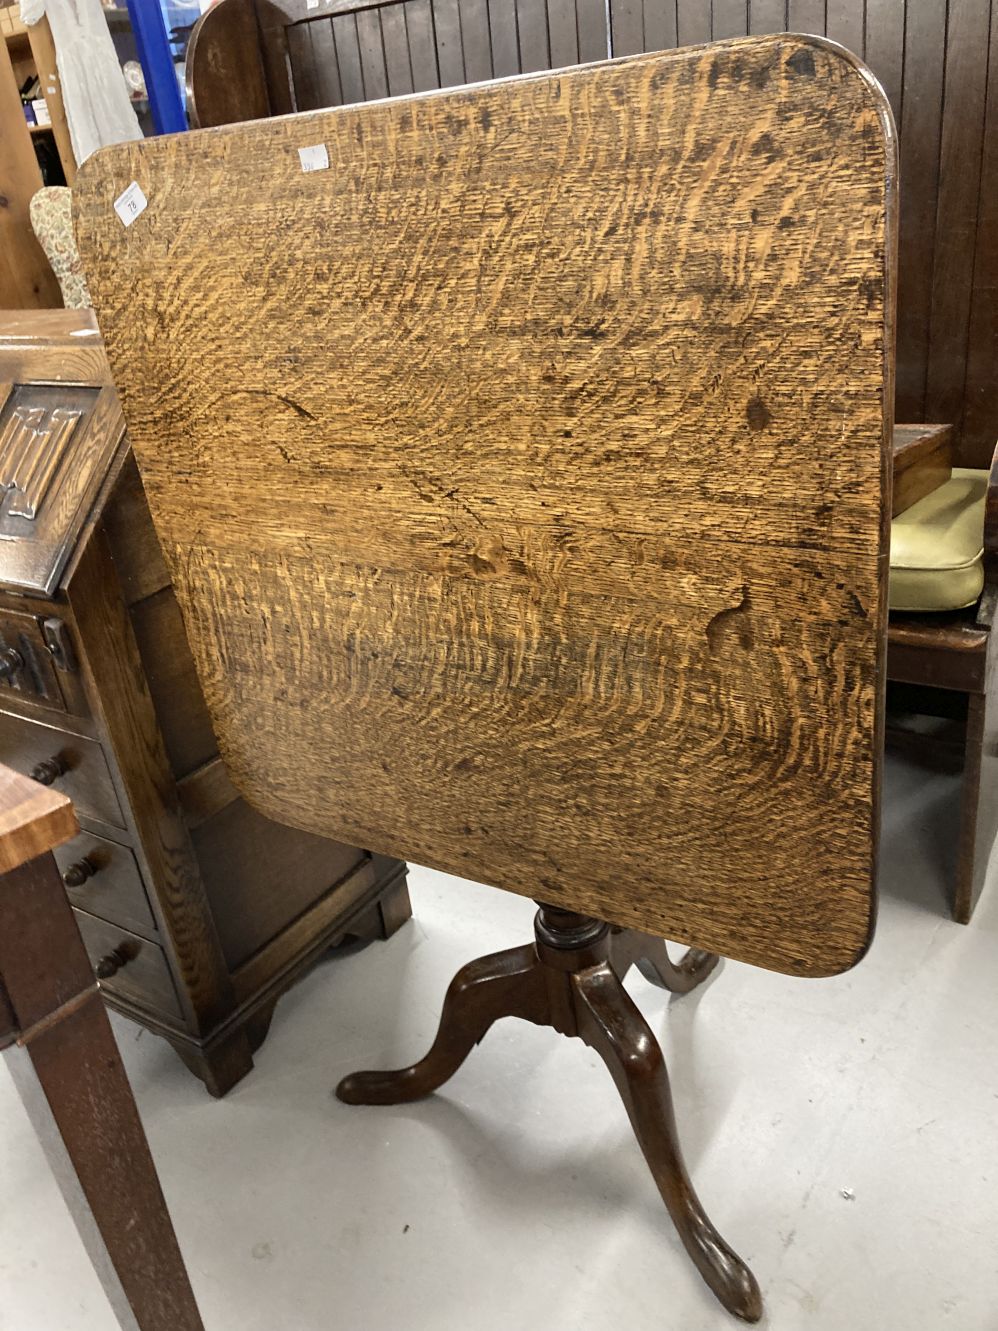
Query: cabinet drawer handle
x=113 y=962
x=49 y=770
x=78 y=873
x=11 y=662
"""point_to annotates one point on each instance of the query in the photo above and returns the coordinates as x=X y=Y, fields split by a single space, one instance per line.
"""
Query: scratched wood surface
x=524 y=475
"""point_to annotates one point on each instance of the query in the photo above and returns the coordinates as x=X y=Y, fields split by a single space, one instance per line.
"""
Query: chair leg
x=505 y=984
x=979 y=816
x=629 y=948
x=611 y=1024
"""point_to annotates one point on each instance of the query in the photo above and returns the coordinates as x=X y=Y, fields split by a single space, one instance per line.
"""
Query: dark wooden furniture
x=58 y=1046
x=923 y=461
x=196 y=911
x=547 y=542
x=571 y=979
x=938 y=63
x=944 y=665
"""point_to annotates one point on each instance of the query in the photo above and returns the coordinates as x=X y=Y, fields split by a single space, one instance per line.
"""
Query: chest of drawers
x=196 y=912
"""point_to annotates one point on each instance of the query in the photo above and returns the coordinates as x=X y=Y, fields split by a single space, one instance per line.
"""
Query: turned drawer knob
x=10 y=663
x=78 y=873
x=48 y=770
x=111 y=964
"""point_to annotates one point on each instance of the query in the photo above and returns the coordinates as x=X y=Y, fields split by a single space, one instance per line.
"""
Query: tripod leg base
x=611 y=1024
x=571 y=980
x=629 y=948
x=505 y=984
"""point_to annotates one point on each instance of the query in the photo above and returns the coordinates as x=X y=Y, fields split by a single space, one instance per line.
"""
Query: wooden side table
x=57 y=1042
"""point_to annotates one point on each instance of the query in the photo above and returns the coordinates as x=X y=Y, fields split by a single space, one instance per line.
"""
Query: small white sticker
x=130 y=203
x=311 y=4
x=315 y=158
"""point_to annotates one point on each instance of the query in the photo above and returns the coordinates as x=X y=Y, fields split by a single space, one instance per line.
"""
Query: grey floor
x=842 y=1133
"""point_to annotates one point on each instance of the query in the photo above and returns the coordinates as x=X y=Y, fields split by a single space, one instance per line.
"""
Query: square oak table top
x=523 y=474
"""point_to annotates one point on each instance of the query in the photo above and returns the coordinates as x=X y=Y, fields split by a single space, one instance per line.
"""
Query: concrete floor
x=842 y=1133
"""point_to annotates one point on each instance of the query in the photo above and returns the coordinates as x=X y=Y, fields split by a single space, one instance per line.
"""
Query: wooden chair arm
x=991 y=513
x=987 y=609
x=33 y=819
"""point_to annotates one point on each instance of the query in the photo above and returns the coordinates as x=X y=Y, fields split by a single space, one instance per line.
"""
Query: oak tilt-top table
x=521 y=458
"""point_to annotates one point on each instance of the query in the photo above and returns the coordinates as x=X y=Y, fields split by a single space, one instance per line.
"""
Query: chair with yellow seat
x=943 y=595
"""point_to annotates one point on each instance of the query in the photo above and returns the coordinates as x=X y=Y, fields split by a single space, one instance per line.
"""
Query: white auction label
x=315 y=158
x=130 y=203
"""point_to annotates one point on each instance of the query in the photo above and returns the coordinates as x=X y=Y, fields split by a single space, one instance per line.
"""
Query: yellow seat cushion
x=937 y=546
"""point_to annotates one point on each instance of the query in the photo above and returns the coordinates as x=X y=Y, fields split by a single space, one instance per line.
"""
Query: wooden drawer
x=85 y=777
x=140 y=975
x=36 y=677
x=103 y=879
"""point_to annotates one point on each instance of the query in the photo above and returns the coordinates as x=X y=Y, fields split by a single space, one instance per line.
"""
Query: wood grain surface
x=923 y=461
x=524 y=477
x=33 y=819
x=937 y=60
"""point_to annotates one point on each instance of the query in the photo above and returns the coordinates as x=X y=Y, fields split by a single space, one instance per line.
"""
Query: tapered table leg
x=58 y=1044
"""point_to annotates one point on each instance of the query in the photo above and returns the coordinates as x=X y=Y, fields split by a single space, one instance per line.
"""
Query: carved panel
x=32 y=444
x=57 y=438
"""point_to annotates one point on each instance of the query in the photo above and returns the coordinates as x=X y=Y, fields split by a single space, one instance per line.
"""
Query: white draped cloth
x=94 y=92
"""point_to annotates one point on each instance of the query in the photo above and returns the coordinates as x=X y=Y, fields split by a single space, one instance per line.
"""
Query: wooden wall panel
x=563 y=33
x=921 y=129
x=327 y=67
x=965 y=81
x=627 y=27
x=348 y=58
x=505 y=47
x=532 y=26
x=397 y=61
x=450 y=58
x=728 y=18
x=806 y=16
x=422 y=47
x=884 y=51
x=372 y=54
x=844 y=23
x=660 y=24
x=475 y=38
x=767 y=16
x=692 y=21
x=980 y=397
x=594 y=40
x=303 y=62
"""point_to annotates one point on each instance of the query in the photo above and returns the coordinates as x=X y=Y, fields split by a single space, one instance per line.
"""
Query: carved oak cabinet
x=197 y=912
